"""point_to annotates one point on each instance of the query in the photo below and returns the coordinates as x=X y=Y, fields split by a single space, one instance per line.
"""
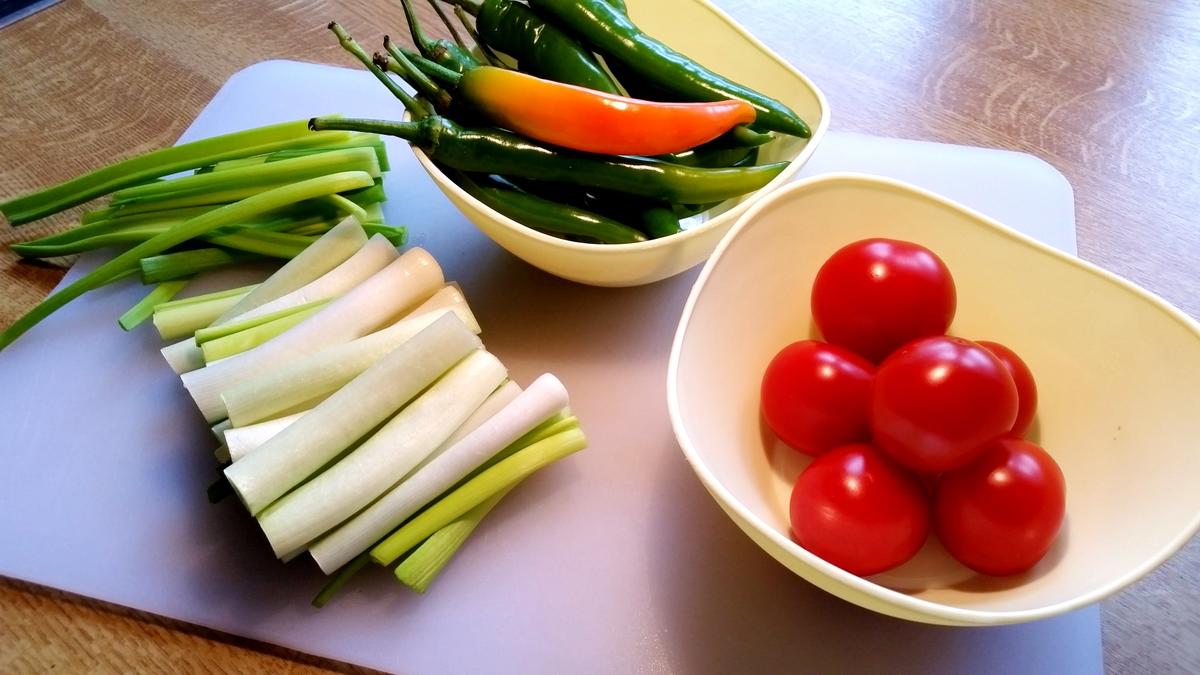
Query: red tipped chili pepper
x=591 y=121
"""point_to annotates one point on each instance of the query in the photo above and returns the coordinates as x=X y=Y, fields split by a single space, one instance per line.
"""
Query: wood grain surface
x=1106 y=91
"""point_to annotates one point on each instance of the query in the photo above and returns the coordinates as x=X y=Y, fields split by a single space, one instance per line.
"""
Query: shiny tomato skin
x=1000 y=514
x=1027 y=396
x=854 y=508
x=875 y=295
x=937 y=400
x=814 y=396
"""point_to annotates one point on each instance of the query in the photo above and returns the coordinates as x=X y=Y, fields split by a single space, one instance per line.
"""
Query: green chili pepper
x=543 y=214
x=722 y=151
x=540 y=47
x=617 y=38
x=500 y=152
x=653 y=218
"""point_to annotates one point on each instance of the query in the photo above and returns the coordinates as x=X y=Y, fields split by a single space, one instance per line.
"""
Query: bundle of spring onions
x=267 y=192
x=358 y=415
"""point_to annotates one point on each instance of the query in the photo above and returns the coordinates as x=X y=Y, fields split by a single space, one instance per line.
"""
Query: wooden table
x=1108 y=92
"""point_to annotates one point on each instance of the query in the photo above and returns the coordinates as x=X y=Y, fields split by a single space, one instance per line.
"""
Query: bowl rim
x=915 y=605
x=775 y=184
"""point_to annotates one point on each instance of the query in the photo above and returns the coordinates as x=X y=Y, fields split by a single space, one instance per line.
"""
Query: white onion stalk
x=305 y=381
x=178 y=318
x=290 y=457
x=220 y=428
x=382 y=460
x=244 y=440
x=545 y=397
x=373 y=303
x=376 y=254
x=499 y=400
x=186 y=355
x=449 y=297
x=326 y=253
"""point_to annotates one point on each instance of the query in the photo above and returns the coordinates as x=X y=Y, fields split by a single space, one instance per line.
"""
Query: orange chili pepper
x=591 y=121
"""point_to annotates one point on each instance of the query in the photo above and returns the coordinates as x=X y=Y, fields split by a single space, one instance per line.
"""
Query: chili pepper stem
x=471 y=7
x=419 y=38
x=483 y=47
x=449 y=24
x=414 y=76
x=413 y=132
x=348 y=43
x=435 y=70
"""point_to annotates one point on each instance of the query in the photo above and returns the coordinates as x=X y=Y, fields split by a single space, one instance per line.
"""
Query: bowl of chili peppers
x=609 y=143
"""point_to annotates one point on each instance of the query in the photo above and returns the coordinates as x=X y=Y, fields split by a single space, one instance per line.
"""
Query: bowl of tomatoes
x=931 y=415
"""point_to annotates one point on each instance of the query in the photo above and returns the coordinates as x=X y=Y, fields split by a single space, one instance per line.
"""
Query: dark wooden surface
x=1108 y=92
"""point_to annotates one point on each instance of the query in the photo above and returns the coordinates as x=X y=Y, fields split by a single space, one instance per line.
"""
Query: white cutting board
x=614 y=560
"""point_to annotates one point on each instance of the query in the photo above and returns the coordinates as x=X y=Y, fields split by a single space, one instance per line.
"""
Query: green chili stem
x=420 y=39
x=437 y=71
x=449 y=25
x=413 y=132
x=471 y=7
x=483 y=46
x=415 y=76
x=350 y=45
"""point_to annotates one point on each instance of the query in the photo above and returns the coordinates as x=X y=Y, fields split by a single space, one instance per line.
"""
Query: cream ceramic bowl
x=708 y=35
x=1117 y=371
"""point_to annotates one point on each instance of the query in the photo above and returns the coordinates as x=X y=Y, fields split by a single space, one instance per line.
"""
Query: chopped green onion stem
x=164 y=162
x=136 y=315
x=226 y=215
x=503 y=474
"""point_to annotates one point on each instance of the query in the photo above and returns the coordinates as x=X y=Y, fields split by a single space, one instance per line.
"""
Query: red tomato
x=1023 y=378
x=1000 y=514
x=814 y=396
x=877 y=294
x=936 y=401
x=854 y=508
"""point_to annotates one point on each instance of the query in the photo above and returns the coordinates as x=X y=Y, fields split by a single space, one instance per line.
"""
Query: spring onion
x=144 y=309
x=256 y=178
x=294 y=454
x=306 y=380
x=422 y=566
x=163 y=162
x=260 y=203
x=368 y=306
x=326 y=253
x=156 y=269
x=474 y=492
x=545 y=397
x=373 y=256
x=382 y=460
x=339 y=242
x=244 y=440
x=248 y=338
